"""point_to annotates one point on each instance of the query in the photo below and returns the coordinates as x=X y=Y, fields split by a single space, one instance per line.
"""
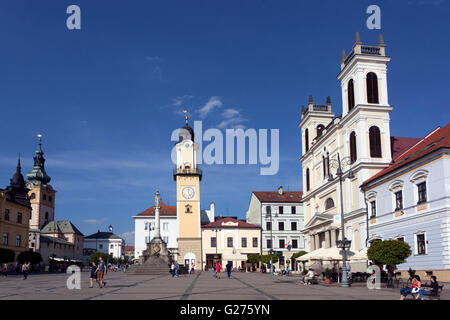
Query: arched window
x=351 y=95
x=320 y=128
x=46 y=216
x=33 y=196
x=306 y=140
x=375 y=142
x=307 y=179
x=329 y=203
x=353 y=156
x=372 y=88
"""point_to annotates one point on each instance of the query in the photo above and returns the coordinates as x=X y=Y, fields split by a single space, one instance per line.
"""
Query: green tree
x=6 y=255
x=266 y=258
x=96 y=255
x=253 y=258
x=29 y=256
x=299 y=254
x=389 y=252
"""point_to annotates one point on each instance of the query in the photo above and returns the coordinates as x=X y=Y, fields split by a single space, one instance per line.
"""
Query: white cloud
x=230 y=113
x=95 y=221
x=213 y=102
x=232 y=119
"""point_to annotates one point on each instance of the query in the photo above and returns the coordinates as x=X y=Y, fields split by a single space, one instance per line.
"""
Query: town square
x=225 y=152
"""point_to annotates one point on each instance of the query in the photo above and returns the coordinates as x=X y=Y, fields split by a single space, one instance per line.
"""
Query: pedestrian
x=414 y=288
x=101 y=270
x=176 y=268
x=25 y=270
x=218 y=269
x=193 y=268
x=93 y=274
x=172 y=269
x=229 y=269
x=5 y=270
x=215 y=270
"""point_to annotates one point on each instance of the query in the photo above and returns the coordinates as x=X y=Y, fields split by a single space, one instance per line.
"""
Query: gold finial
x=186 y=116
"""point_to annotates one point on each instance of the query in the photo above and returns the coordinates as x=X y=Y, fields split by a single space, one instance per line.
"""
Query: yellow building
x=15 y=212
x=187 y=176
x=230 y=240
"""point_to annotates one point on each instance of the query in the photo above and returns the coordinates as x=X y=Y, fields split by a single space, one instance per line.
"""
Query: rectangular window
x=213 y=242
x=281 y=243
x=244 y=242
x=269 y=243
x=373 y=209
x=255 y=242
x=166 y=239
x=293 y=209
x=147 y=240
x=19 y=217
x=294 y=244
x=5 y=239
x=281 y=226
x=6 y=214
x=268 y=210
x=293 y=226
x=280 y=209
x=165 y=226
x=268 y=225
x=230 y=242
x=421 y=249
x=402 y=239
x=422 y=189
x=146 y=226
x=398 y=200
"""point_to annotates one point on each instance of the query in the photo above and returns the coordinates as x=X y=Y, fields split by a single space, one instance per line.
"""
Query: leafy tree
x=96 y=255
x=299 y=254
x=266 y=258
x=389 y=252
x=6 y=255
x=253 y=258
x=29 y=256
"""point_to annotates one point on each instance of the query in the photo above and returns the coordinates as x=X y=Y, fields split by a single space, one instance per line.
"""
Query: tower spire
x=357 y=38
x=38 y=175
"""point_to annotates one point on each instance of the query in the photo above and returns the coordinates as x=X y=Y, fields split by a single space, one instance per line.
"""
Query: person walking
x=93 y=274
x=218 y=269
x=193 y=268
x=215 y=270
x=101 y=269
x=5 y=270
x=172 y=269
x=229 y=269
x=176 y=269
x=25 y=270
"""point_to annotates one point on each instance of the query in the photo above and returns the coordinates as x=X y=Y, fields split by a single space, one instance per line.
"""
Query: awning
x=235 y=257
x=325 y=254
x=360 y=255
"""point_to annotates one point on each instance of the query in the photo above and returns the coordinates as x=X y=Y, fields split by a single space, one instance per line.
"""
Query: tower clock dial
x=188 y=193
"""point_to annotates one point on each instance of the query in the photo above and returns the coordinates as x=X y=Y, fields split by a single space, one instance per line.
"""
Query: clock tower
x=187 y=176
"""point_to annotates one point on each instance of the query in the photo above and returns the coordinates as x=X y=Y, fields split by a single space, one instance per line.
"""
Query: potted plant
x=328 y=275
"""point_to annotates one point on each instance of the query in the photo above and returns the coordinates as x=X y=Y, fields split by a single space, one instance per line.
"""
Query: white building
x=106 y=242
x=280 y=215
x=410 y=201
x=144 y=227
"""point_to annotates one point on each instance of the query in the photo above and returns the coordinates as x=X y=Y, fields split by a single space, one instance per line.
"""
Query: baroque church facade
x=359 y=139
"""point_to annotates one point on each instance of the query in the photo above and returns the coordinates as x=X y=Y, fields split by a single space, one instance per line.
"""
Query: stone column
x=157 y=207
x=317 y=241
x=327 y=239
x=333 y=237
x=312 y=243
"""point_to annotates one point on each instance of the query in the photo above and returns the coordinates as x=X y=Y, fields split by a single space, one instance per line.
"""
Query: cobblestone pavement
x=200 y=286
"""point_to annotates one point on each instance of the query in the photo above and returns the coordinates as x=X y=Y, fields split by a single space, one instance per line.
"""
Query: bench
x=431 y=297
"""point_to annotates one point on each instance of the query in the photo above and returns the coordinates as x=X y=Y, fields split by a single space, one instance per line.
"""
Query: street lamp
x=344 y=243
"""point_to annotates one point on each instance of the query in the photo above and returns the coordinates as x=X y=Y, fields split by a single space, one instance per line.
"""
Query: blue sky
x=107 y=97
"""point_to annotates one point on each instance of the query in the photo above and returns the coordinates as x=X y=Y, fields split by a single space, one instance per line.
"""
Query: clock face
x=188 y=192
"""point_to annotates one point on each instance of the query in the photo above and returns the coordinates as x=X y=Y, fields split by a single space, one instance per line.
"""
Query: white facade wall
x=115 y=247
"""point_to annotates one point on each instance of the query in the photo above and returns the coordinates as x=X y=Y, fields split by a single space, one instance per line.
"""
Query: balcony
x=187 y=172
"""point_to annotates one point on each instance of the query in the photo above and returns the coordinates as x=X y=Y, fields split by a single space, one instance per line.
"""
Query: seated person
x=306 y=279
x=415 y=288
x=434 y=289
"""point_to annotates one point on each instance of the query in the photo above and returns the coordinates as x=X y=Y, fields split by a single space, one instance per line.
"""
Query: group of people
x=306 y=279
x=174 y=267
x=98 y=271
x=218 y=267
x=416 y=288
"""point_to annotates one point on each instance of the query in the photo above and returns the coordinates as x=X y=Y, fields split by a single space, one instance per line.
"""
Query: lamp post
x=344 y=243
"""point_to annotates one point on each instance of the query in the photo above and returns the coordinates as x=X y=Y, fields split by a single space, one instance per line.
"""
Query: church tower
x=41 y=194
x=187 y=176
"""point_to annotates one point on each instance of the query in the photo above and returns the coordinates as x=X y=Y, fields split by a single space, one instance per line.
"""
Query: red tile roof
x=399 y=145
x=129 y=248
x=273 y=196
x=439 y=138
x=164 y=211
x=241 y=224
